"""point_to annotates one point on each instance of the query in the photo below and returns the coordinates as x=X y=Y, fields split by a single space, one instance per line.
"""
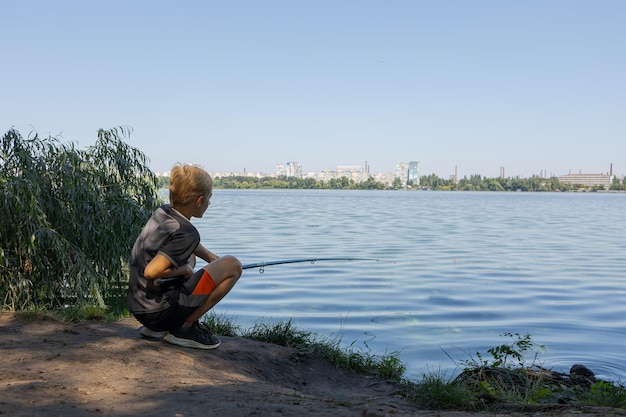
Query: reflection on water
x=463 y=268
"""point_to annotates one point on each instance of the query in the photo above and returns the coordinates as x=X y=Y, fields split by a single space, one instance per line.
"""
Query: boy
x=165 y=294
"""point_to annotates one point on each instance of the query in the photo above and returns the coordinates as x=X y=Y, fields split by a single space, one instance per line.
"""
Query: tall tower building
x=413 y=174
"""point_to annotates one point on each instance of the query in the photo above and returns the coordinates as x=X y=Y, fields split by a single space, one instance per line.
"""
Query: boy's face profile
x=202 y=204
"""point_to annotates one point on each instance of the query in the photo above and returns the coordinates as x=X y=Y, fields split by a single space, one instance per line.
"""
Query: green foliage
x=69 y=217
x=283 y=182
x=618 y=185
x=507 y=378
x=508 y=355
x=534 y=183
x=220 y=324
x=360 y=361
x=432 y=182
x=605 y=394
x=81 y=312
x=436 y=392
x=285 y=333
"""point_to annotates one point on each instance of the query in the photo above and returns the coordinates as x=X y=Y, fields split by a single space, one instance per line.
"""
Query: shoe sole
x=151 y=334
x=170 y=338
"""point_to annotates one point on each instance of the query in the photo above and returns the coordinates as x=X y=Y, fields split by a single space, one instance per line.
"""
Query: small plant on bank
x=508 y=378
x=508 y=355
x=505 y=376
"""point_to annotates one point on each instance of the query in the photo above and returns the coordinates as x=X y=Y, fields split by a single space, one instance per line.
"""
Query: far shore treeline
x=427 y=182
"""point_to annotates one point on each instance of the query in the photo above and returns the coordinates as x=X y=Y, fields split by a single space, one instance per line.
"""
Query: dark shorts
x=184 y=300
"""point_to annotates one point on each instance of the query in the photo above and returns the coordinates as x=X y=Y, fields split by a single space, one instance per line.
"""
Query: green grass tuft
x=605 y=394
x=436 y=392
x=285 y=333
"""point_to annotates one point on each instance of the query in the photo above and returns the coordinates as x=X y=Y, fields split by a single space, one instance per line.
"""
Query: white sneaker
x=152 y=334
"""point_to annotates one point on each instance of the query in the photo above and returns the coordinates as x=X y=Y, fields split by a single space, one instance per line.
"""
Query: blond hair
x=188 y=182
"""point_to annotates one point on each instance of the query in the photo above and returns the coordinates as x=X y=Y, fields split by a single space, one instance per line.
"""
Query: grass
x=437 y=392
x=285 y=333
x=605 y=394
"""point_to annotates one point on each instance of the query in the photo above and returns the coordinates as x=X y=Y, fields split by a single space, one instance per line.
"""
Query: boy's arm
x=203 y=253
x=161 y=267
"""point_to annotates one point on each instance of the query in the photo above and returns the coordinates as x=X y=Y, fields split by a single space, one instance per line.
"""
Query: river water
x=458 y=270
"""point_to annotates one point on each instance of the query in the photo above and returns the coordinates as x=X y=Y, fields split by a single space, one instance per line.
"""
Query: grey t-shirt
x=167 y=233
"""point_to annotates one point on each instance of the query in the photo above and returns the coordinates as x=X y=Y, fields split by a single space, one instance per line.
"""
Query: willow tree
x=69 y=217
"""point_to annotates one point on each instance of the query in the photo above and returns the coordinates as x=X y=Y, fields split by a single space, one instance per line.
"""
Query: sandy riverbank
x=49 y=368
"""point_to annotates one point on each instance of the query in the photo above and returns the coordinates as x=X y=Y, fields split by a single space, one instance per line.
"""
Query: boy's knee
x=232 y=264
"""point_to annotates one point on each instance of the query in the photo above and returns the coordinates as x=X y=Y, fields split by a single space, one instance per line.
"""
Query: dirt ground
x=49 y=368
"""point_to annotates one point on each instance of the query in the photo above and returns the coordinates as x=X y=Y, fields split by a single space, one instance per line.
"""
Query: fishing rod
x=262 y=265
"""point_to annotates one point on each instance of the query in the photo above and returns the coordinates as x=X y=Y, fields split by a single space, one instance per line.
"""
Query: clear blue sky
x=528 y=85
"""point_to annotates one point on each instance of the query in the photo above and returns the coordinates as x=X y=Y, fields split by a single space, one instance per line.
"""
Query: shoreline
x=54 y=368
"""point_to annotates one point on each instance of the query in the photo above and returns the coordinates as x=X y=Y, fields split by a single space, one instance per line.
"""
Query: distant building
x=408 y=173
x=349 y=169
x=385 y=178
x=289 y=169
x=402 y=172
x=588 y=180
x=413 y=176
x=354 y=173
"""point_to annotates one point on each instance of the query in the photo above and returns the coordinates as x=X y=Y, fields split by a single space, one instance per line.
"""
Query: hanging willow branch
x=68 y=218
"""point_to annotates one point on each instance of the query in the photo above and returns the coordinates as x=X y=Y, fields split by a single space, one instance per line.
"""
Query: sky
x=534 y=86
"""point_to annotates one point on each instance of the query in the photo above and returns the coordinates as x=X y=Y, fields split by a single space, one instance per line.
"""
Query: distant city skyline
x=365 y=168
